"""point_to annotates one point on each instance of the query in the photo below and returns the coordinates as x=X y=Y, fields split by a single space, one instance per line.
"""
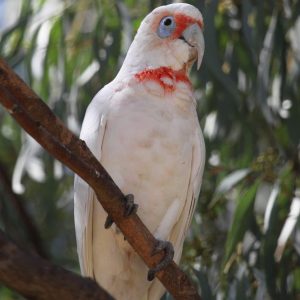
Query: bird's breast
x=147 y=149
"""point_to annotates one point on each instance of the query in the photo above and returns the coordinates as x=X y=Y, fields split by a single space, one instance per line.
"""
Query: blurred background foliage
x=245 y=239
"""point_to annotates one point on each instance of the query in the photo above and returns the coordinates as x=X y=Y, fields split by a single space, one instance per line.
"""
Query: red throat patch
x=164 y=76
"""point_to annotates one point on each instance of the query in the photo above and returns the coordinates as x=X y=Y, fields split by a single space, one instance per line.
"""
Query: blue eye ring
x=166 y=27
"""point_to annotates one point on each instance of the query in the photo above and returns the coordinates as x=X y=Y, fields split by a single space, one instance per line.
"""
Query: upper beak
x=193 y=35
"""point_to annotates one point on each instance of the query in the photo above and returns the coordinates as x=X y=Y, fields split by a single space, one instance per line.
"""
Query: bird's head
x=170 y=36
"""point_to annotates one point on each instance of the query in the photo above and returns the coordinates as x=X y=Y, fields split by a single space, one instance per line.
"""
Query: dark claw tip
x=151 y=275
x=108 y=222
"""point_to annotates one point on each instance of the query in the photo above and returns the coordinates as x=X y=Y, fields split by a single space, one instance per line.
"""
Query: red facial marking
x=182 y=22
x=158 y=74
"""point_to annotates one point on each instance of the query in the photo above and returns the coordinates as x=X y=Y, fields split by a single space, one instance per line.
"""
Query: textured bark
x=36 y=278
x=39 y=121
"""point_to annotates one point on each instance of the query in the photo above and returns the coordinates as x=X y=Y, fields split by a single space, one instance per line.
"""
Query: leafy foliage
x=249 y=106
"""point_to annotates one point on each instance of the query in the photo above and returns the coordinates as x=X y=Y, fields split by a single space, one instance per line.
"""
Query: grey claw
x=130 y=206
x=167 y=247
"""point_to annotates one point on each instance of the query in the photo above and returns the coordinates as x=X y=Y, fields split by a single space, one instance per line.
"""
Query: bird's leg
x=167 y=247
x=129 y=208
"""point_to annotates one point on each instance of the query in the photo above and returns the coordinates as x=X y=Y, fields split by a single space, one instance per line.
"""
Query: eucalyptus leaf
x=241 y=219
x=231 y=180
x=205 y=288
x=288 y=227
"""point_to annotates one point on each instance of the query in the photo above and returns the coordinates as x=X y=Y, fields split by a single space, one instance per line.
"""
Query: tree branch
x=36 y=278
x=39 y=121
x=30 y=228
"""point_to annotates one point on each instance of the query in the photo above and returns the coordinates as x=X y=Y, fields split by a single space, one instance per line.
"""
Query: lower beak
x=193 y=35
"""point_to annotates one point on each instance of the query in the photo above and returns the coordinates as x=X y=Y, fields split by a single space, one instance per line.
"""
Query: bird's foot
x=129 y=208
x=167 y=247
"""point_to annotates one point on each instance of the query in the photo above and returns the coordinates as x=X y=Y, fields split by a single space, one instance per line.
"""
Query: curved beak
x=193 y=35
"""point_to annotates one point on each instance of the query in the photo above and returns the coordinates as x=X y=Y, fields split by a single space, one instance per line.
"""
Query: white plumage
x=143 y=127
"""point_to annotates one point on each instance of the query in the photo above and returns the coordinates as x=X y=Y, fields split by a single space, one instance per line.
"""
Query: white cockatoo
x=143 y=128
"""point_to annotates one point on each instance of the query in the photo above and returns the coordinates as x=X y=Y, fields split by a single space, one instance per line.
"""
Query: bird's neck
x=143 y=56
x=166 y=77
x=145 y=64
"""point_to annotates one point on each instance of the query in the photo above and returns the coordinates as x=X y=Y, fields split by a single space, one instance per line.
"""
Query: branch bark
x=36 y=278
x=39 y=121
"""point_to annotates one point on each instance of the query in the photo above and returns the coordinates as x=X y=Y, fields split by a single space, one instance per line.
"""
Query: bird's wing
x=92 y=132
x=180 y=229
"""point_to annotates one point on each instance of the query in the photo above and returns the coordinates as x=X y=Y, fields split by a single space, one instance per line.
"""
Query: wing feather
x=92 y=132
x=180 y=229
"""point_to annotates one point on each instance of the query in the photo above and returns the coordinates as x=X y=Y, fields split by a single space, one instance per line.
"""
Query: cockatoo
x=143 y=128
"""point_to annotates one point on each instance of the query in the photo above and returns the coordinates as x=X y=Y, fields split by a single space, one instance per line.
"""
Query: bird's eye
x=166 y=27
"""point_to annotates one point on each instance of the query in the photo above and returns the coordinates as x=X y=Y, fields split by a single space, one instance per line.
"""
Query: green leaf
x=296 y=276
x=206 y=292
x=241 y=219
x=231 y=180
